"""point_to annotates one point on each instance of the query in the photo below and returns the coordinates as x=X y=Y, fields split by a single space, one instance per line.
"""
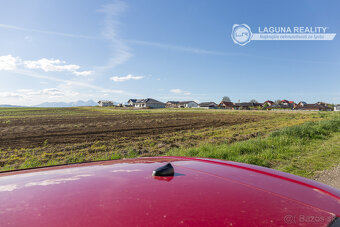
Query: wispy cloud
x=69 y=82
x=120 y=51
x=183 y=48
x=125 y=78
x=43 y=94
x=179 y=91
x=12 y=27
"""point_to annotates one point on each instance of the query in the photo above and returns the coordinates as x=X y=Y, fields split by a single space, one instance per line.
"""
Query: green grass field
x=301 y=143
x=302 y=150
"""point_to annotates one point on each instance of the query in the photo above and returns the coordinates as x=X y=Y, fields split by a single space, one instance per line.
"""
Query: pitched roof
x=172 y=102
x=312 y=107
x=104 y=101
x=148 y=100
x=207 y=104
x=244 y=104
x=186 y=102
x=224 y=103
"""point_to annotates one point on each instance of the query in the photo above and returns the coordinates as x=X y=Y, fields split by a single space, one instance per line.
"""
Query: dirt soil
x=27 y=132
x=330 y=177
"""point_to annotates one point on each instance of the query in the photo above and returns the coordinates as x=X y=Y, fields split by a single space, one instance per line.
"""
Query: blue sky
x=169 y=50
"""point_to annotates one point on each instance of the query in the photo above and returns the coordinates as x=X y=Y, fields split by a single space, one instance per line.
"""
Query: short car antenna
x=164 y=171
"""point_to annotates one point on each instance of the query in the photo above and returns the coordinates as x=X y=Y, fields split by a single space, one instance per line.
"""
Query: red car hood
x=203 y=192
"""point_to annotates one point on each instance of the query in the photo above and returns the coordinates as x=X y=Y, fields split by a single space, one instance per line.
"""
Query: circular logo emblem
x=241 y=34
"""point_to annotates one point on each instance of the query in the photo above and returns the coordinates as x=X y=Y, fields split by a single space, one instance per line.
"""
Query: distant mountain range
x=60 y=104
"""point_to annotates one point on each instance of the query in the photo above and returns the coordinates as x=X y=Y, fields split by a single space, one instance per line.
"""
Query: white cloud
x=8 y=62
x=50 y=65
x=66 y=91
x=83 y=73
x=26 y=96
x=28 y=38
x=176 y=91
x=9 y=95
x=125 y=78
x=179 y=91
x=68 y=82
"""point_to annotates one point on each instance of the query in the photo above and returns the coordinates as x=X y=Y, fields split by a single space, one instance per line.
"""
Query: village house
x=104 y=103
x=258 y=104
x=268 y=103
x=149 y=103
x=188 y=104
x=181 y=104
x=312 y=107
x=132 y=102
x=226 y=105
x=172 y=104
x=244 y=106
x=208 y=105
x=337 y=107
x=287 y=103
x=301 y=103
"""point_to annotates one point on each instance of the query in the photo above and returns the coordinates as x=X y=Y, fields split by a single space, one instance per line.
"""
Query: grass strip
x=302 y=149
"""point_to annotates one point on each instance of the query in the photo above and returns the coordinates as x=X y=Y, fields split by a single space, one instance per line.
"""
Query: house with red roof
x=268 y=102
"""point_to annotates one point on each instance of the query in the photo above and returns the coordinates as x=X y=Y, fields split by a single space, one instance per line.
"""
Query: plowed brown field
x=25 y=132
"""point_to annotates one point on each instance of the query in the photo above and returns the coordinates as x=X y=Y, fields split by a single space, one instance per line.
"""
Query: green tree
x=253 y=101
x=226 y=99
x=278 y=101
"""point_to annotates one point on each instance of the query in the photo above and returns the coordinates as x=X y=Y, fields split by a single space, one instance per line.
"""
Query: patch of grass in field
x=317 y=156
x=301 y=149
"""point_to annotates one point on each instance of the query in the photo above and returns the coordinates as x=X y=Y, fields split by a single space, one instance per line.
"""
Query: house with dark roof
x=337 y=107
x=149 y=103
x=132 y=102
x=104 y=103
x=208 y=105
x=312 y=107
x=226 y=105
x=244 y=106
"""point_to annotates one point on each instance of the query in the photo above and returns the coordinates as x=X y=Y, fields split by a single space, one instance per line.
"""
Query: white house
x=208 y=105
x=188 y=104
x=105 y=103
x=132 y=102
x=337 y=107
x=149 y=103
